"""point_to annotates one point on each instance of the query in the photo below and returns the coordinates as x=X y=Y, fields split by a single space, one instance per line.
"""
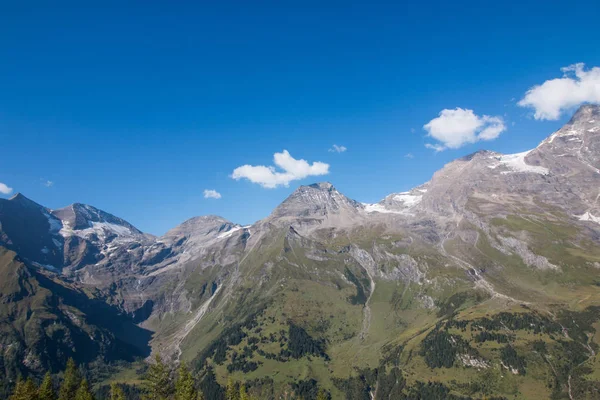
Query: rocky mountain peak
x=79 y=216
x=585 y=113
x=25 y=202
x=322 y=186
x=478 y=154
x=574 y=148
x=585 y=122
x=318 y=199
x=202 y=225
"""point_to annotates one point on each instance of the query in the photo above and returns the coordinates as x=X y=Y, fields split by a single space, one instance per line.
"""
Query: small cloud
x=291 y=169
x=435 y=147
x=412 y=130
x=409 y=155
x=554 y=96
x=337 y=149
x=47 y=183
x=211 y=194
x=458 y=127
x=5 y=189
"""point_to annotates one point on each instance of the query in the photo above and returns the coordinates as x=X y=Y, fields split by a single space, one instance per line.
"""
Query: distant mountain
x=65 y=238
x=319 y=200
x=481 y=282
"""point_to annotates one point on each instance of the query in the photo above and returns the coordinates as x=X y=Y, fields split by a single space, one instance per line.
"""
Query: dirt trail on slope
x=367 y=309
x=174 y=347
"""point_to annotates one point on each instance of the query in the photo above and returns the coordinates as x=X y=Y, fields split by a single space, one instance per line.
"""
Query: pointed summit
x=23 y=201
x=316 y=200
x=586 y=113
x=79 y=216
x=322 y=185
x=16 y=197
x=585 y=123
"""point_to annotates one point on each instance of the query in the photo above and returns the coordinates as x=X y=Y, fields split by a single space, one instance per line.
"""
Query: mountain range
x=484 y=281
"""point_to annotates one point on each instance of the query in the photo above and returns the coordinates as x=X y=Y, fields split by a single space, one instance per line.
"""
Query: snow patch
x=588 y=217
x=400 y=203
x=98 y=228
x=408 y=200
x=231 y=231
x=371 y=208
x=55 y=223
x=551 y=138
x=516 y=164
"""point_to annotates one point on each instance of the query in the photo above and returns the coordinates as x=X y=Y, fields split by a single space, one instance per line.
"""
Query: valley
x=482 y=283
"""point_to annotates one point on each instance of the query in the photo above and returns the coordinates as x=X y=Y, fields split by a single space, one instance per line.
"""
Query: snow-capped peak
x=86 y=221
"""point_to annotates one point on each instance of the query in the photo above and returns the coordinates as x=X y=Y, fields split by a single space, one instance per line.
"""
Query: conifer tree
x=232 y=393
x=24 y=390
x=46 y=389
x=83 y=392
x=160 y=386
x=322 y=395
x=243 y=393
x=116 y=393
x=18 y=389
x=184 y=387
x=71 y=382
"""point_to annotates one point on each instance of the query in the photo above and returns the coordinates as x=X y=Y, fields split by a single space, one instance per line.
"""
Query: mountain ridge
x=493 y=258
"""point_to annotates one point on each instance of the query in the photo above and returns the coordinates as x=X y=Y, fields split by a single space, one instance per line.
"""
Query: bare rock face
x=31 y=231
x=80 y=217
x=315 y=206
x=318 y=200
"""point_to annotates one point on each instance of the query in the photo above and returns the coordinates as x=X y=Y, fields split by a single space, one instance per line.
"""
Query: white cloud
x=291 y=170
x=457 y=127
x=211 y=194
x=48 y=183
x=436 y=147
x=5 y=189
x=554 y=96
x=409 y=155
x=338 y=149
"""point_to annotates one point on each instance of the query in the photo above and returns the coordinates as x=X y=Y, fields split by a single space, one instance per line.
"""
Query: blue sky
x=139 y=109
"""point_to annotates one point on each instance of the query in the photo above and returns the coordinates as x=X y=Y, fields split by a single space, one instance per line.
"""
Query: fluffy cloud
x=337 y=149
x=211 y=194
x=290 y=170
x=554 y=96
x=5 y=189
x=455 y=128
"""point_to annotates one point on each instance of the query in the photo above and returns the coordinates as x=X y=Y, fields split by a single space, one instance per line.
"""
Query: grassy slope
x=290 y=285
x=44 y=321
